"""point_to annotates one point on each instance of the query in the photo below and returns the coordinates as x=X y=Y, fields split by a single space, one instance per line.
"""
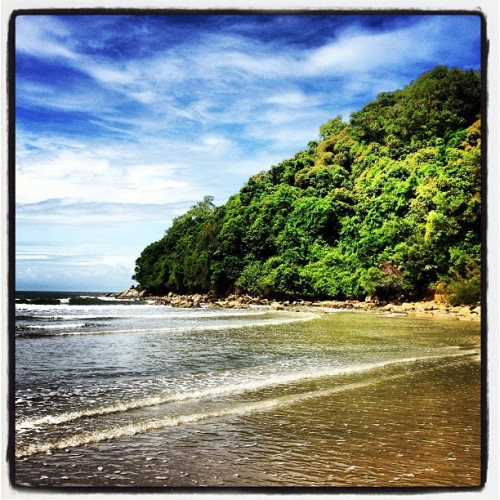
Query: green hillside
x=388 y=204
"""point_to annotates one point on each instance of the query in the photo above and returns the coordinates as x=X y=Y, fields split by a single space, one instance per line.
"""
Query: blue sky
x=124 y=122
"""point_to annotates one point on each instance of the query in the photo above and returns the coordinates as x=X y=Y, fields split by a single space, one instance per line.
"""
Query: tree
x=387 y=204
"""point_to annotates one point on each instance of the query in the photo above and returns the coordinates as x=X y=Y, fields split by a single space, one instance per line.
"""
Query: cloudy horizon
x=125 y=121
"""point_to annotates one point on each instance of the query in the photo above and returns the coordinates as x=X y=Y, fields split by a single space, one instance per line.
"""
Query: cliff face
x=388 y=204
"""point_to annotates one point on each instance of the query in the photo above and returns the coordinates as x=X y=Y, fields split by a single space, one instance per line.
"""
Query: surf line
x=223 y=390
x=153 y=425
x=297 y=317
x=169 y=422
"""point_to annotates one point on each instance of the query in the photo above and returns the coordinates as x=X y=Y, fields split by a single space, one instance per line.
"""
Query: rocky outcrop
x=131 y=293
x=437 y=309
x=429 y=308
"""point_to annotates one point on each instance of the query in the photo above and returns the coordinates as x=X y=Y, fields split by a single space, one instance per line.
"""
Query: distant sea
x=126 y=393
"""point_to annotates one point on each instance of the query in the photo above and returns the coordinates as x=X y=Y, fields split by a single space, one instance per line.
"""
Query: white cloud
x=294 y=99
x=87 y=178
x=214 y=144
x=77 y=272
x=108 y=75
x=32 y=256
x=43 y=36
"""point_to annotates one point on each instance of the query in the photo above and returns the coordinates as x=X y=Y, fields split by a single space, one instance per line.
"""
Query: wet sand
x=412 y=426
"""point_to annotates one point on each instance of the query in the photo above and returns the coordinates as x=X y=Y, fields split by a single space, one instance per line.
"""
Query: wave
x=80 y=304
x=105 y=316
x=229 y=325
x=87 y=300
x=140 y=312
x=105 y=298
x=240 y=409
x=232 y=389
x=54 y=327
x=66 y=317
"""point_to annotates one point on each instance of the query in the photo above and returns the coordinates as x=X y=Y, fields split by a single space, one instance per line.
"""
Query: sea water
x=128 y=393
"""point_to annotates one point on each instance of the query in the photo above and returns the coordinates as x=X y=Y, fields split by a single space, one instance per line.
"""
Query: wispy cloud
x=88 y=178
x=44 y=37
x=64 y=212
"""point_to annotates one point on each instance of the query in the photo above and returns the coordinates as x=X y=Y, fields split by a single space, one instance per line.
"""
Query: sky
x=123 y=122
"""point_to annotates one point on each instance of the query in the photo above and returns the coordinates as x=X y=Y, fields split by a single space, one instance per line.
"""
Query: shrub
x=464 y=289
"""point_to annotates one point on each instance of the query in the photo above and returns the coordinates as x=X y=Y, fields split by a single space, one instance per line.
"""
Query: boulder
x=131 y=293
x=359 y=305
x=406 y=306
x=197 y=299
x=464 y=311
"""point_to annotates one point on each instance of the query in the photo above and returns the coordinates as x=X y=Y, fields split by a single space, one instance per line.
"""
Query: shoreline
x=426 y=308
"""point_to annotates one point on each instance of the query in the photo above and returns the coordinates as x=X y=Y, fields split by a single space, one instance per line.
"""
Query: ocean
x=125 y=393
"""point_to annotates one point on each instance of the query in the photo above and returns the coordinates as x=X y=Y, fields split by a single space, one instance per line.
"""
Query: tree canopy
x=387 y=204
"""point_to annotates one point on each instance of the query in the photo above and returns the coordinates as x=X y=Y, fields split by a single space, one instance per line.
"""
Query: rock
x=197 y=298
x=439 y=298
x=359 y=305
x=181 y=301
x=397 y=309
x=131 y=293
x=406 y=306
x=464 y=311
x=277 y=306
x=326 y=303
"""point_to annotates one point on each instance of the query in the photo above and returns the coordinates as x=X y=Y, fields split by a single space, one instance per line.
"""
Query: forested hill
x=388 y=204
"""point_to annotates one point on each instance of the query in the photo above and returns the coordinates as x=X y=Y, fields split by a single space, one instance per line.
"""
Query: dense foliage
x=388 y=204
